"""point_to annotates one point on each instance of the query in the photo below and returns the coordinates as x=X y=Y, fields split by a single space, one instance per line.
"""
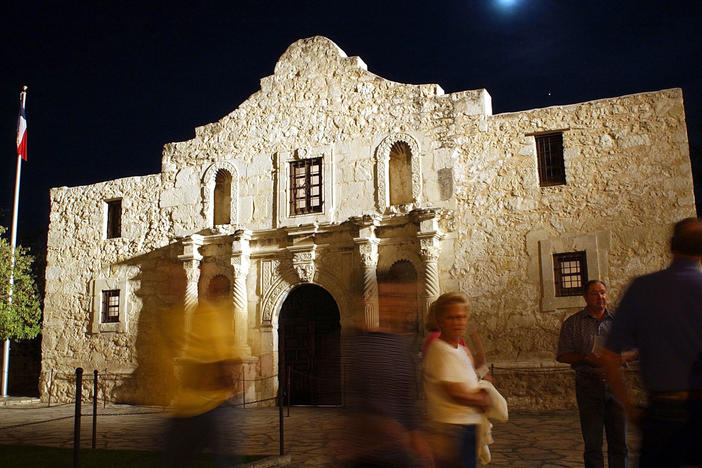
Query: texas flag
x=22 y=130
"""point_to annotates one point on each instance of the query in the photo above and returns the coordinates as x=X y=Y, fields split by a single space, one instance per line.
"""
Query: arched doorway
x=309 y=334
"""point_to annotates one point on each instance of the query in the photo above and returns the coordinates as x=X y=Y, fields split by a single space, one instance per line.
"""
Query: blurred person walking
x=661 y=315
x=384 y=418
x=208 y=373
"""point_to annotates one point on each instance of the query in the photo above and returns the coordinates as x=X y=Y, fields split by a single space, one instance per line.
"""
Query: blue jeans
x=466 y=443
x=597 y=408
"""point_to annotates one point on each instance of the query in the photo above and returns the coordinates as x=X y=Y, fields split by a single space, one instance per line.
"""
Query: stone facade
x=408 y=173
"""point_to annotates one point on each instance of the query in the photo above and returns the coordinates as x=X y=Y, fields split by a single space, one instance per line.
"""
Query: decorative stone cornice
x=303 y=261
x=429 y=248
x=191 y=246
x=426 y=218
x=241 y=252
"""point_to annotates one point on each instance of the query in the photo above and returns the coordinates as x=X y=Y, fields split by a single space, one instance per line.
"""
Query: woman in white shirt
x=455 y=402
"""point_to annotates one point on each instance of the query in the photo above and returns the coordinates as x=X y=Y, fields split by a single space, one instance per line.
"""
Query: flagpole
x=13 y=242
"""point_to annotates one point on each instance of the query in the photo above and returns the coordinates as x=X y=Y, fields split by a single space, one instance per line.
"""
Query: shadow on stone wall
x=156 y=332
x=25 y=367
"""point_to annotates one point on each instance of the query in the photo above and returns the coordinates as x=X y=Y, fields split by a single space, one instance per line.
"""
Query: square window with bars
x=110 y=306
x=306 y=186
x=570 y=273
x=549 y=153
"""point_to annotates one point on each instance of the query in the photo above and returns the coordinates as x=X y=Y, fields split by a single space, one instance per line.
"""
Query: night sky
x=111 y=83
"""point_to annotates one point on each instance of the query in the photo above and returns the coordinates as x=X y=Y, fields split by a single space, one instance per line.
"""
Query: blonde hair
x=439 y=306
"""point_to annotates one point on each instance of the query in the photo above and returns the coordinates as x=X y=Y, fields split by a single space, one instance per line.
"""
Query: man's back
x=661 y=315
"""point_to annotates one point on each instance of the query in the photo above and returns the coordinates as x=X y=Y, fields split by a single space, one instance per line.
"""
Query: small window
x=570 y=273
x=114 y=219
x=549 y=152
x=110 y=306
x=306 y=186
x=222 y=197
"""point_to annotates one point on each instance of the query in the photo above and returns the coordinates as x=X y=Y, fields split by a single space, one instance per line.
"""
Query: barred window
x=570 y=273
x=306 y=186
x=549 y=152
x=110 y=306
x=114 y=219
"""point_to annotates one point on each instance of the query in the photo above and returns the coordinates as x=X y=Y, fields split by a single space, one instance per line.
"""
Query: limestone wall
x=628 y=179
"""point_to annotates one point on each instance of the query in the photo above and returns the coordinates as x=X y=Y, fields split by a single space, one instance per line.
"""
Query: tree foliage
x=19 y=317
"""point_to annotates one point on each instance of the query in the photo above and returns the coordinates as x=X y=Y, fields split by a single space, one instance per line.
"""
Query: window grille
x=570 y=273
x=114 y=219
x=306 y=186
x=110 y=306
x=549 y=152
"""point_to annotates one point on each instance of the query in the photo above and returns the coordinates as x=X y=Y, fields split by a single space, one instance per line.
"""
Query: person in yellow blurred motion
x=208 y=375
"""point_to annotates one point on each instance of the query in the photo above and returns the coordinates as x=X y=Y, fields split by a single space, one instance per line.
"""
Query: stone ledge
x=281 y=460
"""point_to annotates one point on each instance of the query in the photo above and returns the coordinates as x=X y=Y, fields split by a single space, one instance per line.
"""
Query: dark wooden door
x=309 y=342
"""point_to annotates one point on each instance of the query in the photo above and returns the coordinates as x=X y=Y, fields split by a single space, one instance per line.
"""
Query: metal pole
x=288 y=390
x=76 y=419
x=281 y=394
x=243 y=387
x=13 y=242
x=51 y=385
x=95 y=398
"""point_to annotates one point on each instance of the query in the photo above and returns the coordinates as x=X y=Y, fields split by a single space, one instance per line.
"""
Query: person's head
x=595 y=294
x=687 y=238
x=451 y=312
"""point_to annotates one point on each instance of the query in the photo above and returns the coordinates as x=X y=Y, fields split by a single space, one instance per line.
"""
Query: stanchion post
x=288 y=389
x=76 y=419
x=95 y=398
x=51 y=384
x=281 y=394
x=243 y=387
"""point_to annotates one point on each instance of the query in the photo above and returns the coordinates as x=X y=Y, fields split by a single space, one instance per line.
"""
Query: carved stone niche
x=303 y=261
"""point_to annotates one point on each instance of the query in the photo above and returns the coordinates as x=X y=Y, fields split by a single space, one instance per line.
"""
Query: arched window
x=218 y=287
x=400 y=173
x=222 y=197
x=397 y=298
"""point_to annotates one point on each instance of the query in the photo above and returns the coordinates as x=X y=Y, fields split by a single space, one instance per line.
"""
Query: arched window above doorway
x=220 y=192
x=222 y=198
x=398 y=172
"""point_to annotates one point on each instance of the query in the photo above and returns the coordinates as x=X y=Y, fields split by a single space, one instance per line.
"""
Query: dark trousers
x=467 y=450
x=186 y=438
x=671 y=434
x=598 y=408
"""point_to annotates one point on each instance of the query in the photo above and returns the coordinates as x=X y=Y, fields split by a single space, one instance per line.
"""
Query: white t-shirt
x=444 y=363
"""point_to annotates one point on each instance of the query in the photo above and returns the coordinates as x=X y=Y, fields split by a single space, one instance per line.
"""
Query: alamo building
x=330 y=174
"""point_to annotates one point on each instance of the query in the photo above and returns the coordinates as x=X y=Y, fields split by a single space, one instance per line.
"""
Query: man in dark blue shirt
x=661 y=315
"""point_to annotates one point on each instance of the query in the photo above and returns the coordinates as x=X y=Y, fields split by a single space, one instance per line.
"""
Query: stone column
x=241 y=252
x=368 y=250
x=191 y=263
x=429 y=249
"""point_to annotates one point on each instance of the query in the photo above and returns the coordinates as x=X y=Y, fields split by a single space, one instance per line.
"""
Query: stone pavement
x=313 y=436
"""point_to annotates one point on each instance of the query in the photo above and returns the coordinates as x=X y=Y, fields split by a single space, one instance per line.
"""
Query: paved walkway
x=312 y=435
